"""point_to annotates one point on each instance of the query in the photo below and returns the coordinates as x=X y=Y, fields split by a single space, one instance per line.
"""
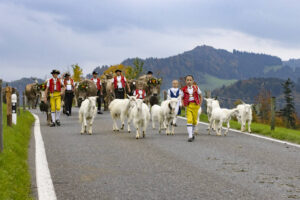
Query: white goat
x=119 y=109
x=220 y=116
x=209 y=108
x=140 y=115
x=157 y=115
x=87 y=112
x=168 y=110
x=244 y=116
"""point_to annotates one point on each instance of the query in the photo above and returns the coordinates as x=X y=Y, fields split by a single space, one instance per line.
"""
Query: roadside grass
x=14 y=172
x=280 y=133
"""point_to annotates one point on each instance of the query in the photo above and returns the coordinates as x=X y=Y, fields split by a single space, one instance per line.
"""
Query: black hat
x=118 y=71
x=149 y=72
x=67 y=74
x=54 y=71
x=94 y=72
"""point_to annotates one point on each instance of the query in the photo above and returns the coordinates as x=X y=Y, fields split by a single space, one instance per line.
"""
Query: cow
x=107 y=85
x=152 y=88
x=85 y=89
x=45 y=107
x=32 y=94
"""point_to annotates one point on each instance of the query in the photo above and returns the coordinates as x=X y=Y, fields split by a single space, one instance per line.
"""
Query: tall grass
x=14 y=172
x=281 y=133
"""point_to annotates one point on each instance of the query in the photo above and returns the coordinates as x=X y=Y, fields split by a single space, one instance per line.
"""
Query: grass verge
x=280 y=133
x=14 y=171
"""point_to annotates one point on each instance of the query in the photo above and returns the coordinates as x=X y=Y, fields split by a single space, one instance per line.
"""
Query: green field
x=280 y=133
x=212 y=82
x=14 y=171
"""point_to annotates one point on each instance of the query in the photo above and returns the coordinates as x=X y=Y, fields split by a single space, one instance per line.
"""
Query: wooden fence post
x=273 y=108
x=1 y=118
x=23 y=99
x=8 y=103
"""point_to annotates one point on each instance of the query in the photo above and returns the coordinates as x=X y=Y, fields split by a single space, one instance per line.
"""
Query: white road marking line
x=43 y=178
x=254 y=135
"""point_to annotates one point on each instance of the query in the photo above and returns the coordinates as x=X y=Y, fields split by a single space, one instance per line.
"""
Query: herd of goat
x=136 y=111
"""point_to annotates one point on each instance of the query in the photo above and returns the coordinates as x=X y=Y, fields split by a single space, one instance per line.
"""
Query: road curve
x=110 y=165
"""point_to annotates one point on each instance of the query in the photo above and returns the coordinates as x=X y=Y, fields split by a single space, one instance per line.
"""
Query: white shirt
x=140 y=93
x=174 y=91
x=95 y=81
x=191 y=91
x=69 y=85
x=119 y=81
x=54 y=82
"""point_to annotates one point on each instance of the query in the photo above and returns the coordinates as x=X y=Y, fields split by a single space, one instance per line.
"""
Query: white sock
x=57 y=115
x=190 y=130
x=53 y=116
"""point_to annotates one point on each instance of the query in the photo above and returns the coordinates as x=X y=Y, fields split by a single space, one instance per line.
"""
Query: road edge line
x=254 y=135
x=43 y=177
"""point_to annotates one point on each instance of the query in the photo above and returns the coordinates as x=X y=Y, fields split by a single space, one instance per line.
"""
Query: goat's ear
x=136 y=96
x=128 y=96
x=169 y=105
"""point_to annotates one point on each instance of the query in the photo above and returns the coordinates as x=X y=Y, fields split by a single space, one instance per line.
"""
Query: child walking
x=192 y=100
x=175 y=92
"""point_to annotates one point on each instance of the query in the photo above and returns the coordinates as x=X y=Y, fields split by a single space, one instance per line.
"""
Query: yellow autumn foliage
x=125 y=70
x=77 y=73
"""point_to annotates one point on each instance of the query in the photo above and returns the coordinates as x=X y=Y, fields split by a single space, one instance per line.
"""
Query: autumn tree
x=77 y=73
x=135 y=71
x=264 y=101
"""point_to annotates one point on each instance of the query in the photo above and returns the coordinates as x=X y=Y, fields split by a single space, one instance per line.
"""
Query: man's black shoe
x=67 y=113
x=52 y=124
x=58 y=122
x=99 y=112
x=190 y=140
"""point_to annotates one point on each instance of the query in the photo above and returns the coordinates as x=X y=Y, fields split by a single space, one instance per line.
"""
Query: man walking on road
x=98 y=84
x=120 y=84
x=69 y=93
x=54 y=86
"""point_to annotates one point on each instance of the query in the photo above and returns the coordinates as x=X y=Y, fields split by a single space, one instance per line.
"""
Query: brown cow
x=152 y=89
x=107 y=85
x=32 y=94
x=45 y=107
x=85 y=89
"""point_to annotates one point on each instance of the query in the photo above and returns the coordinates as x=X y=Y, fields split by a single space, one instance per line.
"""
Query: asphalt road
x=108 y=165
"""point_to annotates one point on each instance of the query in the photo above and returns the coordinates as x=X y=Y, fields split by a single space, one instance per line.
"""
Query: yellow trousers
x=55 y=101
x=192 y=113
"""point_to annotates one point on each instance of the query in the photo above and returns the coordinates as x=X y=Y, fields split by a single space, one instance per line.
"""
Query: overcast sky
x=39 y=35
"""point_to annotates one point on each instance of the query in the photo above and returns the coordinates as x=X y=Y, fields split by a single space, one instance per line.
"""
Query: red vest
x=186 y=95
x=98 y=83
x=116 y=82
x=140 y=95
x=65 y=82
x=51 y=85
